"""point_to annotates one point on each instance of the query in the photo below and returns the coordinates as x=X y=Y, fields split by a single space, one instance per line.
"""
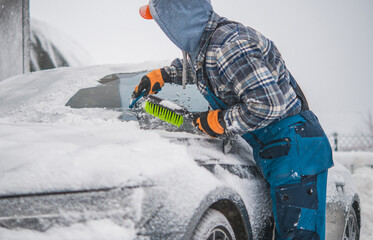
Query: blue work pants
x=294 y=155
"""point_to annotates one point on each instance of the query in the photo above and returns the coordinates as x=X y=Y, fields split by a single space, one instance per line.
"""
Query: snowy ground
x=36 y=127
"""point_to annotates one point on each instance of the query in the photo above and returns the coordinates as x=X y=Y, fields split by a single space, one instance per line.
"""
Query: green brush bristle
x=164 y=114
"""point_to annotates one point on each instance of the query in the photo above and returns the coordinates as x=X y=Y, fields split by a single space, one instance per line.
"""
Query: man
x=244 y=78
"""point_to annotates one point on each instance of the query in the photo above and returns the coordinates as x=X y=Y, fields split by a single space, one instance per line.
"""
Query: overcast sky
x=327 y=44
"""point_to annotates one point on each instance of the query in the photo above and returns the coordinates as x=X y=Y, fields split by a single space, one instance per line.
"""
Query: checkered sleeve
x=240 y=65
x=175 y=71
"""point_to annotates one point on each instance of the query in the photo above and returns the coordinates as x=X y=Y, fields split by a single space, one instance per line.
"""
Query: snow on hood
x=85 y=155
x=46 y=146
x=183 y=21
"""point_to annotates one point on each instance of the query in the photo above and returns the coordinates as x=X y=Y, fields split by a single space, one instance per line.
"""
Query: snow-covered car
x=77 y=163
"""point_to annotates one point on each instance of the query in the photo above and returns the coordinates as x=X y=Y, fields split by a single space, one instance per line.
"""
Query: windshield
x=115 y=90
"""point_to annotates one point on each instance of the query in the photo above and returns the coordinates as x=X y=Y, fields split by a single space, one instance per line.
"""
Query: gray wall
x=14 y=38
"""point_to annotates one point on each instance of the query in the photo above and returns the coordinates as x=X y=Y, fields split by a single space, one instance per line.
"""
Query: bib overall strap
x=215 y=102
x=299 y=93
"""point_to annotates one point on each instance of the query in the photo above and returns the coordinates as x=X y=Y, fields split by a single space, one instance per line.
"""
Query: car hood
x=39 y=158
x=48 y=147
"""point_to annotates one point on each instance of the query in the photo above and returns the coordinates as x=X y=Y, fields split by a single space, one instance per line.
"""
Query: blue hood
x=183 y=21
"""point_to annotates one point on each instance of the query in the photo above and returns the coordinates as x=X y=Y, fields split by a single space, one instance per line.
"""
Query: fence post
x=335 y=135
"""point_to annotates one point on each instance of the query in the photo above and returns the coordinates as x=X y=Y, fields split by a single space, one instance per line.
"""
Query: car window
x=114 y=92
x=189 y=98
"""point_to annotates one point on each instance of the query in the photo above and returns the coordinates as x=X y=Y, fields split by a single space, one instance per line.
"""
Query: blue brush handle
x=133 y=102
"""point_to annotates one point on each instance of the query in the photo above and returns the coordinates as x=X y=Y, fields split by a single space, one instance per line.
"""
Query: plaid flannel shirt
x=245 y=71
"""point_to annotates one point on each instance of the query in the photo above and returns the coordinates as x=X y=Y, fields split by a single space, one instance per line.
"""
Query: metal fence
x=351 y=142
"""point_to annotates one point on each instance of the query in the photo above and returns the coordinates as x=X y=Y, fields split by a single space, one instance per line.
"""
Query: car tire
x=352 y=230
x=212 y=226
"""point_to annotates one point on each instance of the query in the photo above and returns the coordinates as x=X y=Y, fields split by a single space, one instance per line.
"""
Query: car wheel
x=213 y=226
x=352 y=227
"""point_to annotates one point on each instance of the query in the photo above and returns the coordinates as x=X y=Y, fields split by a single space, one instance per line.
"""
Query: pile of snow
x=361 y=166
x=170 y=105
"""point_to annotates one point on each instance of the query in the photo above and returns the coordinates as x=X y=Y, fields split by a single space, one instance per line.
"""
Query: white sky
x=327 y=45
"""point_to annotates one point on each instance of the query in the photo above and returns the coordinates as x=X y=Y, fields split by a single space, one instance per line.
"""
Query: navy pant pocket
x=275 y=149
x=295 y=208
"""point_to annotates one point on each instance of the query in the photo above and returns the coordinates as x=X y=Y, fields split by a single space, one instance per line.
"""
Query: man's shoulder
x=226 y=33
x=231 y=32
x=234 y=35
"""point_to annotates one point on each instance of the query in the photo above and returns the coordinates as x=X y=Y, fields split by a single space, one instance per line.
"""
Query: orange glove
x=151 y=83
x=211 y=123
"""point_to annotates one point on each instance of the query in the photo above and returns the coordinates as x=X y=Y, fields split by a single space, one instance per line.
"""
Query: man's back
x=241 y=65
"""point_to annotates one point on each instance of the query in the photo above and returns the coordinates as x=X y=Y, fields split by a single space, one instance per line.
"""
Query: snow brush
x=166 y=111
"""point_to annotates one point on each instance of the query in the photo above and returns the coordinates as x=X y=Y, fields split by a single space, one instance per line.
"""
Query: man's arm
x=175 y=72
x=152 y=82
x=261 y=101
